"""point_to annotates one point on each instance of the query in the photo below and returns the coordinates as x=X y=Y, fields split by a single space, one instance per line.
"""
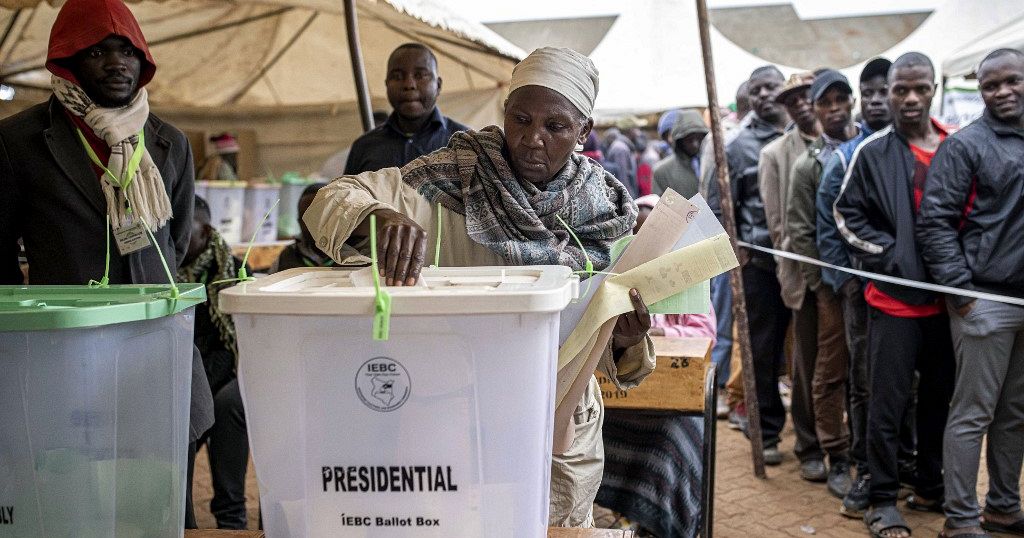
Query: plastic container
x=445 y=429
x=259 y=198
x=227 y=208
x=94 y=410
x=292 y=186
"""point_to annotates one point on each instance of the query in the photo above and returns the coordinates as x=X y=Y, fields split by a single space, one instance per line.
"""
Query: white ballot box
x=227 y=207
x=94 y=410
x=444 y=429
x=259 y=199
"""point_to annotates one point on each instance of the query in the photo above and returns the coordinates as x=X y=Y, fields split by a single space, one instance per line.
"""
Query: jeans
x=721 y=301
x=989 y=399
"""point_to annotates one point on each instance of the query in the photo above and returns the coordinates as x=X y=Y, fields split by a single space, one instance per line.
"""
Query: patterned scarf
x=119 y=128
x=513 y=217
x=214 y=263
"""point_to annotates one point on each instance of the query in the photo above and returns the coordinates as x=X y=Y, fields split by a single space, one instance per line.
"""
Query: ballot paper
x=665 y=228
x=658 y=271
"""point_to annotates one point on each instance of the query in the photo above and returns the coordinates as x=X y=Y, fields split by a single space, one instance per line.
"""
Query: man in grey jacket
x=679 y=170
x=970 y=222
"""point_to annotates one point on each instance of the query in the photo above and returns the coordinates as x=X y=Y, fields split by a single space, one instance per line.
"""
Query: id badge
x=131 y=238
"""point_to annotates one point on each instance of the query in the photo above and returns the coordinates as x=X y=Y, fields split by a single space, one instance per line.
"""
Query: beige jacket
x=341 y=206
x=777 y=159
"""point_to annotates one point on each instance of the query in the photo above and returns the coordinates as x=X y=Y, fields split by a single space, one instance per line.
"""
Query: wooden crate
x=677 y=382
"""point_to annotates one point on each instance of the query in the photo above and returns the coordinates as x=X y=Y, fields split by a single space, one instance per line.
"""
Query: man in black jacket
x=768 y=316
x=969 y=228
x=909 y=329
x=56 y=199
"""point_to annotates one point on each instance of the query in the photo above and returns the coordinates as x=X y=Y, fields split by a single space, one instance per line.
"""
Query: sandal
x=1015 y=528
x=921 y=504
x=963 y=532
x=885 y=518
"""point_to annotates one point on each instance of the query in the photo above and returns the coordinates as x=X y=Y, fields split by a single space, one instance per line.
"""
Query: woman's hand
x=401 y=248
x=631 y=327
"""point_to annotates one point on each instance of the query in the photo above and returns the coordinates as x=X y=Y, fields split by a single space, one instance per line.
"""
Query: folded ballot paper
x=678 y=250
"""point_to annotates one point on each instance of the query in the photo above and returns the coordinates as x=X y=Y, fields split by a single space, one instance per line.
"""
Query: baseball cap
x=825 y=80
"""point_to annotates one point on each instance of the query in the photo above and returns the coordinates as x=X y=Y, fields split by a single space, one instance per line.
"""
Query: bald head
x=743 y=99
x=1001 y=83
x=912 y=60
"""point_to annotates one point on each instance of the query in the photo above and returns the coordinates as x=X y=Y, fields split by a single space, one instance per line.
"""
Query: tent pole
x=739 y=303
x=359 y=73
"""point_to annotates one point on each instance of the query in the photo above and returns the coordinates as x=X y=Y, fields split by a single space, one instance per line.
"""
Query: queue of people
x=893 y=387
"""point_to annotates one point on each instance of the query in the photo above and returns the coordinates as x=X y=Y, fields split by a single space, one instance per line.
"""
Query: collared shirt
x=386 y=145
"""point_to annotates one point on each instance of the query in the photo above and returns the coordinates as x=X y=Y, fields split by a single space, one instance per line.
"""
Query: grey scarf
x=513 y=217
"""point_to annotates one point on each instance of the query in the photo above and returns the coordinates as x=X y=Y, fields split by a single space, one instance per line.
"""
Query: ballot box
x=227 y=207
x=443 y=429
x=260 y=200
x=676 y=384
x=94 y=410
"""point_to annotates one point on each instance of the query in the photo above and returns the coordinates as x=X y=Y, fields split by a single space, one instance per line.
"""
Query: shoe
x=813 y=470
x=722 y=407
x=857 y=500
x=839 y=479
x=738 y=417
x=772 y=456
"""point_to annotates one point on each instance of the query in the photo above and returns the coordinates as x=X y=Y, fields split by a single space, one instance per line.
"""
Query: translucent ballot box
x=443 y=429
x=227 y=207
x=94 y=410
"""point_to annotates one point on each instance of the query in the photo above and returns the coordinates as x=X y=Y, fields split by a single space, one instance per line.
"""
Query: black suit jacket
x=50 y=198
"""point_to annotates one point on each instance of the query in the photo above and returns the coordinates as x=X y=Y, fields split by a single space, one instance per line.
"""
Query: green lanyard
x=133 y=163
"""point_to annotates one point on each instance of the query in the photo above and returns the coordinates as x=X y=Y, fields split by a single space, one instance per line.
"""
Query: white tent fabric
x=954 y=25
x=275 y=53
x=280 y=67
x=964 y=61
x=650 y=60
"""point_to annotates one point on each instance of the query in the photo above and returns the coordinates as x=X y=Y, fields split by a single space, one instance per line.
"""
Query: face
x=910 y=94
x=541 y=130
x=834 y=110
x=874 y=102
x=412 y=83
x=303 y=205
x=641 y=218
x=1001 y=81
x=109 y=71
x=801 y=111
x=200 y=236
x=763 y=90
x=689 y=145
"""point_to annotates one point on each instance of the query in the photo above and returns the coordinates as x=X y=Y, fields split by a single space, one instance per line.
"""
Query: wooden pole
x=739 y=303
x=358 y=72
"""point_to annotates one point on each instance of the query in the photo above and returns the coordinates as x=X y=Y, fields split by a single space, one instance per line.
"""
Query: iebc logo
x=383 y=384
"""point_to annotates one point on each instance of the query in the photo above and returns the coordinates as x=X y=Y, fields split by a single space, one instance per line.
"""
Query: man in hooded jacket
x=58 y=193
x=680 y=170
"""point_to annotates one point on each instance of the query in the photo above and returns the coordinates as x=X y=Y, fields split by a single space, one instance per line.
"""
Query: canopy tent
x=261 y=63
x=964 y=62
x=955 y=28
x=650 y=60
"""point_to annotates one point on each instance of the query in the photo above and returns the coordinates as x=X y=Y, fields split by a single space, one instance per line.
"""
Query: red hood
x=84 y=23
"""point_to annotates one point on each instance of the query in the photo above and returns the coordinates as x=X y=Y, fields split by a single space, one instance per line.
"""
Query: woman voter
x=503 y=196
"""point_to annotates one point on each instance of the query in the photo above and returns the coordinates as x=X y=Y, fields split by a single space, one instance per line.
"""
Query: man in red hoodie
x=66 y=166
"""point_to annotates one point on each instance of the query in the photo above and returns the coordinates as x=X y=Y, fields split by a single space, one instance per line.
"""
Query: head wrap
x=81 y=24
x=564 y=70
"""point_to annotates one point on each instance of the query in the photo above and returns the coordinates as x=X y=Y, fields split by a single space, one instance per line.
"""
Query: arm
x=183 y=195
x=801 y=222
x=869 y=244
x=339 y=215
x=946 y=194
x=769 y=183
x=831 y=247
x=10 y=222
x=658 y=182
